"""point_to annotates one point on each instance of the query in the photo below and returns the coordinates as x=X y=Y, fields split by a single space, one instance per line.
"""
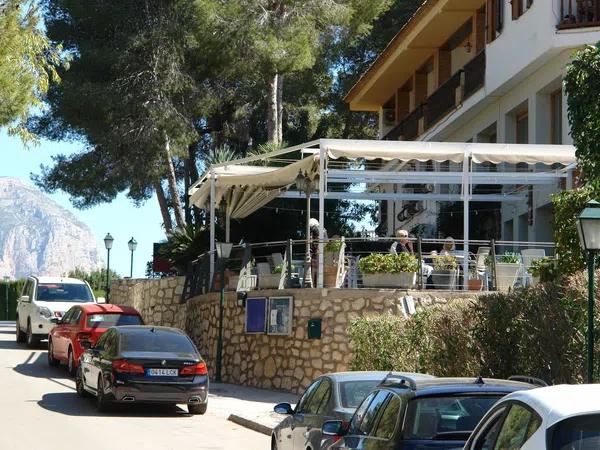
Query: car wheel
x=18 y=332
x=79 y=384
x=52 y=361
x=32 y=341
x=197 y=408
x=101 y=401
x=71 y=363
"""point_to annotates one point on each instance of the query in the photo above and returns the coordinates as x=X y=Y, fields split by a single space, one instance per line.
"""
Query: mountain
x=39 y=237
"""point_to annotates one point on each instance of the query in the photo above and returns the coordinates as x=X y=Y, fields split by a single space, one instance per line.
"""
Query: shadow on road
x=70 y=404
x=36 y=365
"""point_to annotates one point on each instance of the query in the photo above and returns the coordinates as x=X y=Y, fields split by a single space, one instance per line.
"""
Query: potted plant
x=387 y=270
x=475 y=282
x=508 y=267
x=542 y=270
x=330 y=262
x=445 y=272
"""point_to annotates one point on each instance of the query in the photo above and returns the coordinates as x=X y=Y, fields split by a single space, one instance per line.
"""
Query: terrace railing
x=493 y=265
x=579 y=14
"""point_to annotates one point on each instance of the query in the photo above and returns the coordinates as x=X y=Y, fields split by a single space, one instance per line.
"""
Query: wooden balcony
x=442 y=101
x=579 y=14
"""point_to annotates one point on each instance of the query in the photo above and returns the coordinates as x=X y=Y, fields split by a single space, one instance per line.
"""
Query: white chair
x=479 y=264
x=277 y=259
x=529 y=256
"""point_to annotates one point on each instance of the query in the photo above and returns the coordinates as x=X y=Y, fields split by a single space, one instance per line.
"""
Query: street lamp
x=223 y=253
x=108 y=243
x=588 y=227
x=132 y=246
x=308 y=186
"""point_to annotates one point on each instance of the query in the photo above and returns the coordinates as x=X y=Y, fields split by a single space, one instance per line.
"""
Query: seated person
x=402 y=245
x=449 y=247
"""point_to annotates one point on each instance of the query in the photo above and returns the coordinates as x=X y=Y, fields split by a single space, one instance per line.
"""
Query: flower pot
x=475 y=285
x=330 y=276
x=232 y=283
x=404 y=280
x=445 y=279
x=506 y=275
x=269 y=281
x=329 y=258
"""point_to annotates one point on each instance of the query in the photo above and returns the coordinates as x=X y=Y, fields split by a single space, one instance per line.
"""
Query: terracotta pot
x=475 y=285
x=330 y=276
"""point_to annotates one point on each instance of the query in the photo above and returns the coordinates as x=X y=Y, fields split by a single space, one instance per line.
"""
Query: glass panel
x=146 y=340
x=429 y=416
x=354 y=392
x=371 y=414
x=514 y=429
x=360 y=412
x=389 y=418
x=318 y=401
x=488 y=437
x=581 y=433
x=306 y=396
x=112 y=320
x=64 y=292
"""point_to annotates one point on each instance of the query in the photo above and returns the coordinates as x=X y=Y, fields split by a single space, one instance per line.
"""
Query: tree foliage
x=28 y=64
x=96 y=278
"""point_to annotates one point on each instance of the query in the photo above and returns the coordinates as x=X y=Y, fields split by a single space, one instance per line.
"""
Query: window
x=582 y=432
x=354 y=392
x=360 y=412
x=112 y=320
x=76 y=316
x=152 y=340
x=556 y=117
x=67 y=317
x=317 y=404
x=389 y=418
x=519 y=425
x=522 y=131
x=63 y=292
x=495 y=19
x=519 y=7
x=306 y=396
x=371 y=413
x=101 y=343
x=486 y=438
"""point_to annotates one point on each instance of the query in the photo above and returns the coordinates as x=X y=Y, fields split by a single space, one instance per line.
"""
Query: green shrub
x=546 y=269
x=388 y=263
x=333 y=245
x=278 y=268
x=445 y=262
x=509 y=258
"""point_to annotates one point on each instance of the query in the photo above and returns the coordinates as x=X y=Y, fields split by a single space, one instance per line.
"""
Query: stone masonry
x=260 y=360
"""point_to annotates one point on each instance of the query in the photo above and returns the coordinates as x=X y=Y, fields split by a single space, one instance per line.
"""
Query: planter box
x=507 y=275
x=404 y=280
x=330 y=276
x=270 y=281
x=444 y=279
x=232 y=283
x=475 y=285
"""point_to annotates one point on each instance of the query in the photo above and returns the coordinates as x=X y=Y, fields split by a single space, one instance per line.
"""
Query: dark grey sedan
x=330 y=397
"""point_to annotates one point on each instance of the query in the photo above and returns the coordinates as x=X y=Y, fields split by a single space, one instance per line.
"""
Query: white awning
x=449 y=151
x=248 y=188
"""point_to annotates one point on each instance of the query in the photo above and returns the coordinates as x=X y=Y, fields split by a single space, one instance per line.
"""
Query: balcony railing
x=579 y=14
x=442 y=101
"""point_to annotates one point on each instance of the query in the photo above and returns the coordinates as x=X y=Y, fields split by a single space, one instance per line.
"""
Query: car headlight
x=45 y=312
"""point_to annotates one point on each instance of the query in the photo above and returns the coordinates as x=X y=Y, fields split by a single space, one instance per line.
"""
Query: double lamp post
x=588 y=227
x=108 y=243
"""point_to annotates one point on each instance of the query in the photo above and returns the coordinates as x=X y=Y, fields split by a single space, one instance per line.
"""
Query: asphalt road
x=39 y=409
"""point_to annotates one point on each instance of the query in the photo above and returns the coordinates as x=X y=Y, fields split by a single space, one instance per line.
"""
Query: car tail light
x=83 y=336
x=124 y=366
x=196 y=369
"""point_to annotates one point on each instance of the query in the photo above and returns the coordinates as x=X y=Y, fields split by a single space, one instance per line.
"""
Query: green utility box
x=314 y=328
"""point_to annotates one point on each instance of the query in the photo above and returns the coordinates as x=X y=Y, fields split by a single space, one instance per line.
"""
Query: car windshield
x=428 y=417
x=112 y=320
x=156 y=341
x=581 y=433
x=352 y=393
x=64 y=292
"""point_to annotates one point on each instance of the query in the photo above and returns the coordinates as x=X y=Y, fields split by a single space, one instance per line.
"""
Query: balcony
x=463 y=84
x=579 y=14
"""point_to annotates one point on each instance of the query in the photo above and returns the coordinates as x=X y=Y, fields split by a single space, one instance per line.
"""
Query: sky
x=121 y=218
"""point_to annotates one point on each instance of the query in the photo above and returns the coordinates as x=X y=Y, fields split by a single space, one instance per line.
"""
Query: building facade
x=479 y=71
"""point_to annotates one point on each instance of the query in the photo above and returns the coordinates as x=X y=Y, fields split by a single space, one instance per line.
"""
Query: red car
x=85 y=323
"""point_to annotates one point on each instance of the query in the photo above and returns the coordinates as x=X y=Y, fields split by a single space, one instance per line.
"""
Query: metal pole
x=590 y=331
x=108 y=275
x=322 y=192
x=307 y=258
x=131 y=266
x=6 y=295
x=212 y=225
x=220 y=335
x=466 y=198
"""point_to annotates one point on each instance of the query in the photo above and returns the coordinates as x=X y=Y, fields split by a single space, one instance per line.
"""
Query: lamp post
x=223 y=252
x=6 y=280
x=108 y=243
x=132 y=246
x=308 y=186
x=588 y=226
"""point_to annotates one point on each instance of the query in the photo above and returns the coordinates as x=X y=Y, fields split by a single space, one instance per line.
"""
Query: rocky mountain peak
x=39 y=237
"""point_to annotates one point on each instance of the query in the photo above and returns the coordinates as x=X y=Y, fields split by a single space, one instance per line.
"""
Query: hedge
x=537 y=331
x=14 y=291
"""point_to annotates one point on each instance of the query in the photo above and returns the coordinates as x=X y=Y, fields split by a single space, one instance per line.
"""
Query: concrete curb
x=251 y=424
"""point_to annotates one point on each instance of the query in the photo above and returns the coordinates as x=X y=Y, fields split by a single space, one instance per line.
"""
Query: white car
x=44 y=299
x=562 y=417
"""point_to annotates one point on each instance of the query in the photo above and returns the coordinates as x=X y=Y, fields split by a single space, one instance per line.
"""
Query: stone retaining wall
x=261 y=360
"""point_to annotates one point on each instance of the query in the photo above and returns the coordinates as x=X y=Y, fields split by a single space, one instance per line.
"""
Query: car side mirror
x=283 y=408
x=333 y=428
x=100 y=300
x=25 y=298
x=86 y=344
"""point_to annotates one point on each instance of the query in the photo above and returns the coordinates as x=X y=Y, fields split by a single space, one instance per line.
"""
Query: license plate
x=162 y=372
